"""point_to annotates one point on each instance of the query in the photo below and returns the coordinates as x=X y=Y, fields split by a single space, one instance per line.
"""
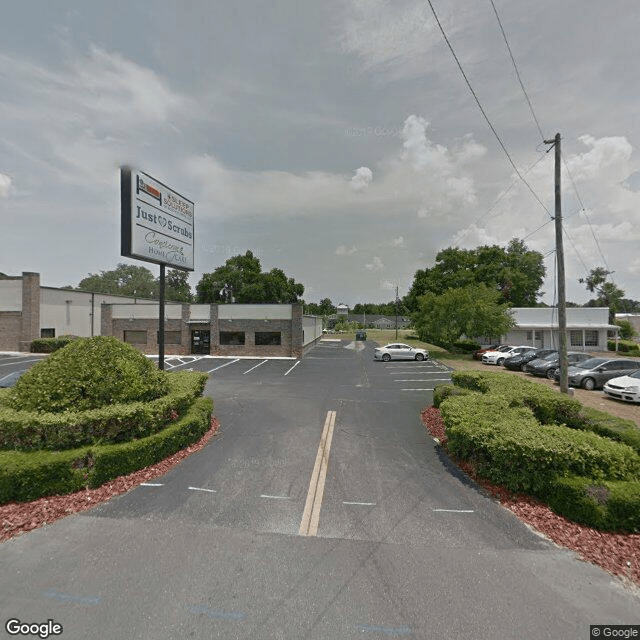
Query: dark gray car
x=593 y=373
x=548 y=365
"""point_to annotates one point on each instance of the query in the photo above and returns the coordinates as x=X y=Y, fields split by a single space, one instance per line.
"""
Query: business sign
x=157 y=222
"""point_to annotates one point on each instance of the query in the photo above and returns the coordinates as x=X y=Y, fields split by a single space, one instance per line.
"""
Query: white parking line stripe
x=455 y=510
x=201 y=489
x=364 y=504
x=224 y=365
x=274 y=497
x=292 y=368
x=150 y=484
x=252 y=368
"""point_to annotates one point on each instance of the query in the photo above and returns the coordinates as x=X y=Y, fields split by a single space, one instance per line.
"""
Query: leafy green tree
x=124 y=280
x=471 y=310
x=138 y=282
x=608 y=294
x=516 y=272
x=241 y=280
x=626 y=329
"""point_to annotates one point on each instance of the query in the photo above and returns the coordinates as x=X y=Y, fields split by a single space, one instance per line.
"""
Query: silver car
x=400 y=351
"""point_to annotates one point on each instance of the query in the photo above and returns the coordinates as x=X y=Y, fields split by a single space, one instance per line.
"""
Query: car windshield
x=591 y=363
x=635 y=374
x=552 y=356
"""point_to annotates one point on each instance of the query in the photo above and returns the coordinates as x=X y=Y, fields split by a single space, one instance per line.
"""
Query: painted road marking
x=387 y=631
x=455 y=510
x=223 y=365
x=65 y=597
x=292 y=368
x=311 y=514
x=217 y=615
x=264 y=495
x=201 y=489
x=364 y=504
x=252 y=368
x=150 y=484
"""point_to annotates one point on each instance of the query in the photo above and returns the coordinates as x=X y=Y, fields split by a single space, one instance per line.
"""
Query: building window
x=529 y=336
x=232 y=337
x=268 y=338
x=47 y=333
x=171 y=337
x=591 y=338
x=135 y=337
x=575 y=337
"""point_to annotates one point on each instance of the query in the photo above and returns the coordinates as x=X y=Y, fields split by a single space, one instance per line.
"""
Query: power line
x=475 y=96
x=515 y=66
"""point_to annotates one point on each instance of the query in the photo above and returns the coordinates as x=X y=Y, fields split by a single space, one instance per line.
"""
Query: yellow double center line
x=311 y=515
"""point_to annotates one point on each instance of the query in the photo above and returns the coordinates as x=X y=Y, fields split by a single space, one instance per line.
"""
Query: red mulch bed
x=18 y=517
x=617 y=553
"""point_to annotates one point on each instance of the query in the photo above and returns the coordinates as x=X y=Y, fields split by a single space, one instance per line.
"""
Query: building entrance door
x=200 y=341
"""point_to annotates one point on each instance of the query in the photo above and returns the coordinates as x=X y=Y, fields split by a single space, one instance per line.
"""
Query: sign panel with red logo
x=157 y=222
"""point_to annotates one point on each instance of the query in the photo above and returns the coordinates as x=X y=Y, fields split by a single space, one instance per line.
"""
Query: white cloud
x=342 y=250
x=397 y=242
x=375 y=264
x=362 y=179
x=5 y=185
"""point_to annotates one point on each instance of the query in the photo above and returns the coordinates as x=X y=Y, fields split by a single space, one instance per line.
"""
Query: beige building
x=29 y=311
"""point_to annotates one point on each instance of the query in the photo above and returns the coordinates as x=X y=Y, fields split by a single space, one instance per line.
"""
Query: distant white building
x=587 y=328
x=342 y=310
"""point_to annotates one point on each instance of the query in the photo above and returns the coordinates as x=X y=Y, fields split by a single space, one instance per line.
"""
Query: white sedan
x=498 y=357
x=400 y=351
x=624 y=388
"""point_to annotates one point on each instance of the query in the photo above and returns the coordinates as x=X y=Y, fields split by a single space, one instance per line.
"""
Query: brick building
x=29 y=311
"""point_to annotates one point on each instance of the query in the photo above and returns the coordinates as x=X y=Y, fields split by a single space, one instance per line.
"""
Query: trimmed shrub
x=49 y=345
x=28 y=476
x=465 y=346
x=444 y=391
x=88 y=373
x=628 y=347
x=32 y=430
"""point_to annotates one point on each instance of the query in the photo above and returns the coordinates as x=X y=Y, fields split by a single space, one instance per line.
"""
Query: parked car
x=498 y=357
x=593 y=373
x=517 y=362
x=361 y=335
x=477 y=355
x=625 y=387
x=11 y=378
x=400 y=351
x=548 y=365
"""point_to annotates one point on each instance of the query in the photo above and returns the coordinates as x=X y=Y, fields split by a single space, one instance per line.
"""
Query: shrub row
x=49 y=345
x=628 y=347
x=549 y=406
x=32 y=430
x=28 y=476
x=529 y=438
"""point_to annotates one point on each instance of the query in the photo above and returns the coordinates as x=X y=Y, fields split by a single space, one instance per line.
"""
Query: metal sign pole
x=161 y=321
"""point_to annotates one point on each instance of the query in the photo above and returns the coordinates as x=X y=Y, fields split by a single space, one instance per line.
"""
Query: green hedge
x=32 y=430
x=628 y=347
x=585 y=464
x=49 y=345
x=28 y=476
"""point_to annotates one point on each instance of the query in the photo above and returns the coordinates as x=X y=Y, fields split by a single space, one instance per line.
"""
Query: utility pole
x=562 y=304
x=396 y=312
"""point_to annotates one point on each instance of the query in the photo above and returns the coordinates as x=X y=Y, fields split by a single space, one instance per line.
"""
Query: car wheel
x=551 y=374
x=419 y=356
x=589 y=384
x=386 y=357
x=522 y=367
x=500 y=361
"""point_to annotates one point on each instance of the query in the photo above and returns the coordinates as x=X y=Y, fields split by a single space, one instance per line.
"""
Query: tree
x=124 y=280
x=608 y=294
x=138 y=282
x=516 y=272
x=472 y=310
x=241 y=280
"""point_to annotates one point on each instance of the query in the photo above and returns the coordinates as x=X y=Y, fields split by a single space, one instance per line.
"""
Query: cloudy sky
x=336 y=140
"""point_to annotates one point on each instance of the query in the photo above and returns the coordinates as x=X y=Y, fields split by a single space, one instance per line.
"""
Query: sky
x=336 y=140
